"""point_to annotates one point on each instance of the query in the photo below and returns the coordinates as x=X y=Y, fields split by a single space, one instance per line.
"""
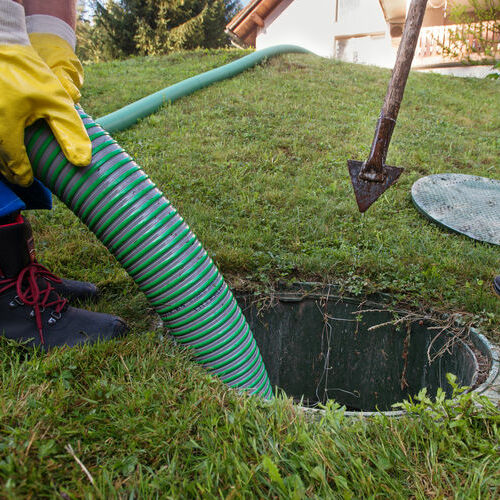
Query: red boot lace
x=28 y=291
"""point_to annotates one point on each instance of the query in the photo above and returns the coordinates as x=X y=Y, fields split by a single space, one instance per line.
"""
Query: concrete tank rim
x=393 y=413
x=489 y=388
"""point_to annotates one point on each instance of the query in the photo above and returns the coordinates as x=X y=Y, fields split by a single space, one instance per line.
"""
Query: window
x=346 y=9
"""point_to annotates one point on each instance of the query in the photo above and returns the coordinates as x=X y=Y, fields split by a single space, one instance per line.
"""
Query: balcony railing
x=457 y=42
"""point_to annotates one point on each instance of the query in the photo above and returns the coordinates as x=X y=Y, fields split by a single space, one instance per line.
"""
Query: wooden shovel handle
x=373 y=169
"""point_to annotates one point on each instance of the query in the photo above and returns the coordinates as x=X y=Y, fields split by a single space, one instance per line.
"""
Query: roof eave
x=393 y=9
x=242 y=15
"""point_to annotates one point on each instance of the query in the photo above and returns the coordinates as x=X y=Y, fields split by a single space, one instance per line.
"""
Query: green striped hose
x=141 y=228
x=125 y=117
x=133 y=219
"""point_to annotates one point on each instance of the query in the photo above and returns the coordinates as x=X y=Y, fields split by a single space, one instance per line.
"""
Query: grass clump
x=257 y=167
x=145 y=422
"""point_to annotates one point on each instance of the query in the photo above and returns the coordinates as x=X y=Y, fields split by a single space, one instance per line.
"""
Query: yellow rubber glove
x=61 y=59
x=29 y=90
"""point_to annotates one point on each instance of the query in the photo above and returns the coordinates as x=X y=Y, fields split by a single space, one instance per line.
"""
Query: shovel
x=371 y=178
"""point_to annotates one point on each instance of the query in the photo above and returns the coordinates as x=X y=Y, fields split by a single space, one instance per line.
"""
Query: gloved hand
x=29 y=90
x=61 y=59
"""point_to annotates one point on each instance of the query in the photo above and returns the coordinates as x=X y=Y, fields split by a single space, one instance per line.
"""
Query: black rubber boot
x=31 y=311
x=76 y=290
x=69 y=289
x=496 y=284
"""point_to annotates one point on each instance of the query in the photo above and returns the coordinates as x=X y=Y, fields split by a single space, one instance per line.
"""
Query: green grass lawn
x=257 y=167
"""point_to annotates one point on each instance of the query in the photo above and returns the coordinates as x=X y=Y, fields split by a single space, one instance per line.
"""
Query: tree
x=91 y=44
x=152 y=27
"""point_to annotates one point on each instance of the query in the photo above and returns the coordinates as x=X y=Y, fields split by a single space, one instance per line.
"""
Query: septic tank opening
x=317 y=346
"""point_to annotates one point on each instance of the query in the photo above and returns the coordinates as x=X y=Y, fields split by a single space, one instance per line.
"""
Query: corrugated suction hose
x=125 y=117
x=140 y=227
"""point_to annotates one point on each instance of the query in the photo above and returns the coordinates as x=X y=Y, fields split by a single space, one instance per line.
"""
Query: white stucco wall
x=308 y=23
x=362 y=34
x=371 y=49
x=358 y=17
x=311 y=24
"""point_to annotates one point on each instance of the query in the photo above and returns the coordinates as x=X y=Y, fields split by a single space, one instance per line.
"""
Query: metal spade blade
x=367 y=192
x=371 y=178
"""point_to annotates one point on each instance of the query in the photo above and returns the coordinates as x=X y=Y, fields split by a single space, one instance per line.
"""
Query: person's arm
x=57 y=17
x=12 y=24
x=51 y=28
x=30 y=91
x=61 y=9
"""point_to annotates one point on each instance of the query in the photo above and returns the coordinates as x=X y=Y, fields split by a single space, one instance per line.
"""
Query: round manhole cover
x=466 y=204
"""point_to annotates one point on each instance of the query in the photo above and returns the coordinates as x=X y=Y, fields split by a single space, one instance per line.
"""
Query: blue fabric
x=14 y=198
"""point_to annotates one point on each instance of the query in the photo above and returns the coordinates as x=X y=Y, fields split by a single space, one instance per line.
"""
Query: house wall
x=308 y=23
x=359 y=35
x=355 y=32
x=357 y=17
x=434 y=17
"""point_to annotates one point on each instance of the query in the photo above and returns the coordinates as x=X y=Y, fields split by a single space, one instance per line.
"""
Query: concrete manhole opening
x=318 y=347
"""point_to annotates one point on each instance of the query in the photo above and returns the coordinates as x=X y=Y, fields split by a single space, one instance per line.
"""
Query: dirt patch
x=284 y=66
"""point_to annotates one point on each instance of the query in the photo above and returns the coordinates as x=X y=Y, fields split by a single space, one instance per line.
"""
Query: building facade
x=359 y=31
